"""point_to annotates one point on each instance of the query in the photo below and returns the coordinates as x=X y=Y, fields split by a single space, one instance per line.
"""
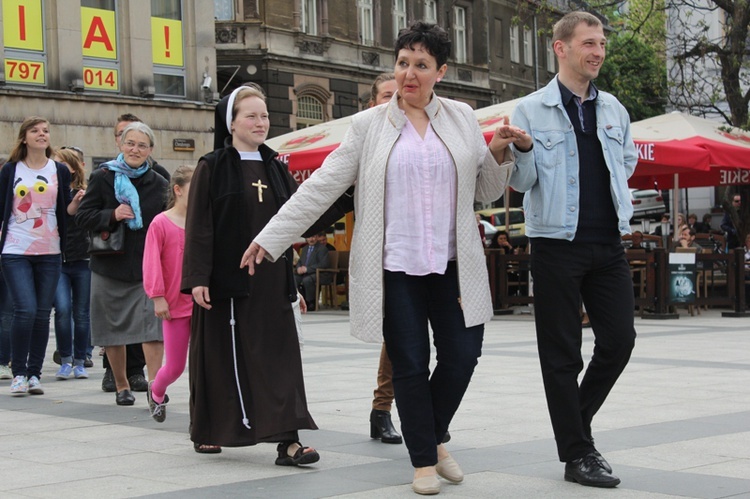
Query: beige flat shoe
x=426 y=485
x=449 y=469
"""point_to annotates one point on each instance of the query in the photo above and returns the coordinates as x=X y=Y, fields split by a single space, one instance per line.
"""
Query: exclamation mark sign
x=166 y=40
x=22 y=22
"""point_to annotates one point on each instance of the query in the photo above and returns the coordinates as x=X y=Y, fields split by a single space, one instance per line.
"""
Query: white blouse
x=420 y=205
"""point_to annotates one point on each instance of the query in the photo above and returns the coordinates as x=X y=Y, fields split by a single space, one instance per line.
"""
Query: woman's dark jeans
x=32 y=281
x=427 y=402
x=72 y=323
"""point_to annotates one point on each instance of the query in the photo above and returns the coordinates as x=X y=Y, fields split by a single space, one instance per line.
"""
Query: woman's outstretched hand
x=253 y=256
x=506 y=134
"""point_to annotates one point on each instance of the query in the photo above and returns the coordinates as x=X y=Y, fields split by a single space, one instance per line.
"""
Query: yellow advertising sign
x=22 y=25
x=166 y=41
x=98 y=33
x=24 y=71
x=101 y=78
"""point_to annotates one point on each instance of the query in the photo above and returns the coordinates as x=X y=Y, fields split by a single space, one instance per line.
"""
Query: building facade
x=82 y=63
x=316 y=59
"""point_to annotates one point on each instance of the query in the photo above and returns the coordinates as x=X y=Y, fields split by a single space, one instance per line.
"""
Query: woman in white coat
x=419 y=163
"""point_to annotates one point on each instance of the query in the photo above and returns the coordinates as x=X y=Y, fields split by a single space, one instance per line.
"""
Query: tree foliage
x=634 y=73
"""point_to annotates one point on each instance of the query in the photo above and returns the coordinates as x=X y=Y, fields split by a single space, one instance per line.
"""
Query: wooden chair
x=325 y=281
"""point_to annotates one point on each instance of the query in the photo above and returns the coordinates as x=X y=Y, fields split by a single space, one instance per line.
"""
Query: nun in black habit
x=246 y=383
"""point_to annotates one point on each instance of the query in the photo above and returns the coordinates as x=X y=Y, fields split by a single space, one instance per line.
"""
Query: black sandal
x=206 y=448
x=299 y=457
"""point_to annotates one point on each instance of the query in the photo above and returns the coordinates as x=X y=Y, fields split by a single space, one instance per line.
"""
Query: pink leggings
x=176 y=342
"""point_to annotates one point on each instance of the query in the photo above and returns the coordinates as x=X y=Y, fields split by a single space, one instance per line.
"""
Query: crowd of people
x=199 y=265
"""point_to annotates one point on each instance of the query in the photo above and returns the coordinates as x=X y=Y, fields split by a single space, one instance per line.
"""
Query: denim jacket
x=548 y=174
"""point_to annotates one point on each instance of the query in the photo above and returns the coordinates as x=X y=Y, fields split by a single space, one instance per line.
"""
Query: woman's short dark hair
x=434 y=38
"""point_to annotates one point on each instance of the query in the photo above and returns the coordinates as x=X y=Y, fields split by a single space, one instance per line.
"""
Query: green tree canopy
x=634 y=73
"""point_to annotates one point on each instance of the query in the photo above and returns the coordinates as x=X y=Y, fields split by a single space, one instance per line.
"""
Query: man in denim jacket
x=574 y=166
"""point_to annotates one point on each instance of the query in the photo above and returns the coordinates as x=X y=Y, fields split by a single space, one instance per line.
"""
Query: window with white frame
x=459 y=28
x=550 y=56
x=399 y=16
x=365 y=21
x=309 y=17
x=528 y=46
x=430 y=11
x=515 y=55
x=309 y=111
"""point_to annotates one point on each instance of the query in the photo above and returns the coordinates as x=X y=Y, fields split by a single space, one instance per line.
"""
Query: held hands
x=506 y=134
x=253 y=256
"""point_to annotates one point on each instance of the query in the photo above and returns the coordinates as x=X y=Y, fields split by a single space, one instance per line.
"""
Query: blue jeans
x=427 y=402
x=32 y=281
x=6 y=318
x=72 y=324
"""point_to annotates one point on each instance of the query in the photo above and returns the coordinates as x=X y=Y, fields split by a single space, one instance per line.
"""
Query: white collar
x=250 y=155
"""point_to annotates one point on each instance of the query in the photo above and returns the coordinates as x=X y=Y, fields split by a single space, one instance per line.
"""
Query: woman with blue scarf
x=124 y=191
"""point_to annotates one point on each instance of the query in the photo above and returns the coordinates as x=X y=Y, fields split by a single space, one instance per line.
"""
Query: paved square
x=676 y=425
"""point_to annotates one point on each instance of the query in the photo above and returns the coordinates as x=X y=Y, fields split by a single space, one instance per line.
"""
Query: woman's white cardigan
x=362 y=158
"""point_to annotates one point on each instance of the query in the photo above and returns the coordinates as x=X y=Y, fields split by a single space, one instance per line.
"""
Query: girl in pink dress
x=162 y=273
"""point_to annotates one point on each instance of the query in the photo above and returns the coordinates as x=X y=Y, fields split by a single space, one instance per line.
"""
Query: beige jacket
x=362 y=157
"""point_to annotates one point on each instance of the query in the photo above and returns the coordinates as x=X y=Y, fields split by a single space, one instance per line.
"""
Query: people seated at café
x=636 y=241
x=500 y=241
x=313 y=256
x=664 y=219
x=687 y=239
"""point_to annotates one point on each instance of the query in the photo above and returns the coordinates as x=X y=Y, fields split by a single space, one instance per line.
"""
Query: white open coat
x=362 y=157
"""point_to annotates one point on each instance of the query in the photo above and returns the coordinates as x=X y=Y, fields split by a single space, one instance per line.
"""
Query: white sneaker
x=19 y=386
x=35 y=386
x=6 y=372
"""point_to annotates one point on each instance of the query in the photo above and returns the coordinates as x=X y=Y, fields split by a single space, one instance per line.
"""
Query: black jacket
x=77 y=243
x=96 y=214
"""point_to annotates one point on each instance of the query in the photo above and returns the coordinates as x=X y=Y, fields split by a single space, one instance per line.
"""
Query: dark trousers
x=563 y=273
x=427 y=402
x=31 y=281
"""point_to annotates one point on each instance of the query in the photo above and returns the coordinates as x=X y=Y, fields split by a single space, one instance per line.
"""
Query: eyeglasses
x=129 y=144
x=74 y=148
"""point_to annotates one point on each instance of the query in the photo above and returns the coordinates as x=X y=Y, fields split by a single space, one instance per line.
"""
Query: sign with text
x=101 y=78
x=22 y=25
x=183 y=145
x=21 y=71
x=98 y=33
x=682 y=277
x=166 y=41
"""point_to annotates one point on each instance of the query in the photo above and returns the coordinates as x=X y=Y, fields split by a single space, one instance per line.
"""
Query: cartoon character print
x=30 y=202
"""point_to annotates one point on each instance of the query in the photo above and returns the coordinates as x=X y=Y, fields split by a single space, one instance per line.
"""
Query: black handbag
x=108 y=242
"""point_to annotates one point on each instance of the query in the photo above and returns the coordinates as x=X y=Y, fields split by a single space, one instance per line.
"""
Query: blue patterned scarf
x=125 y=191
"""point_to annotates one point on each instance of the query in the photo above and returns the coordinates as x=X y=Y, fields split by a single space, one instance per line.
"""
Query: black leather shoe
x=447 y=437
x=108 y=381
x=124 y=398
x=589 y=471
x=382 y=427
x=603 y=462
x=138 y=383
